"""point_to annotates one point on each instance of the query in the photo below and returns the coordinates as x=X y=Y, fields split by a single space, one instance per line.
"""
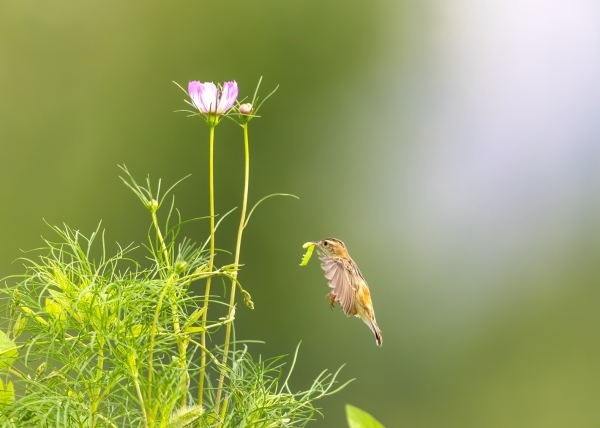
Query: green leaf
x=8 y=351
x=197 y=314
x=360 y=419
x=132 y=361
x=194 y=329
x=31 y=312
x=56 y=311
x=20 y=325
x=7 y=393
x=27 y=310
x=136 y=330
x=62 y=281
x=185 y=416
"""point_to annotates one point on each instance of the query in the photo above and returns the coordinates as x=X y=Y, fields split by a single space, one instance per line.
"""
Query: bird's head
x=332 y=247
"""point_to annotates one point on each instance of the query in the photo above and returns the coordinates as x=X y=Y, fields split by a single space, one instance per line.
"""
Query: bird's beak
x=310 y=243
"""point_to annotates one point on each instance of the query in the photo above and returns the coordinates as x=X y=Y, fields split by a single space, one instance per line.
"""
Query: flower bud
x=16 y=302
x=180 y=266
x=40 y=370
x=152 y=205
x=17 y=298
x=247 y=299
x=246 y=108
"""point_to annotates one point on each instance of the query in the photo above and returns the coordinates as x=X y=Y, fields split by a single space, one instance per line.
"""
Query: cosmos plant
x=91 y=339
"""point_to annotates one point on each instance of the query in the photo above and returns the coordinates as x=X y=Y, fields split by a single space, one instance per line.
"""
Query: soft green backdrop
x=452 y=145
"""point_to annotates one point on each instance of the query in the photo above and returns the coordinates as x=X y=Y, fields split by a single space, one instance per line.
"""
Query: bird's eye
x=325 y=243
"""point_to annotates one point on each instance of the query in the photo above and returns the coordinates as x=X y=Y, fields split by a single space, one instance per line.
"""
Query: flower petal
x=209 y=97
x=203 y=95
x=194 y=90
x=228 y=97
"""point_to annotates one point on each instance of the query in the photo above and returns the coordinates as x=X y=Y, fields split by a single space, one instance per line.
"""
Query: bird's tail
x=376 y=332
x=370 y=321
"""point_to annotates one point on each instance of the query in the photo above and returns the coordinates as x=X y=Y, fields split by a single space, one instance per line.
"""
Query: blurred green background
x=454 y=147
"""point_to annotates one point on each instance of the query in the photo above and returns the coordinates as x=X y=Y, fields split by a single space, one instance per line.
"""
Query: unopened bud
x=247 y=299
x=246 y=108
x=16 y=302
x=17 y=298
x=180 y=266
x=152 y=205
x=40 y=370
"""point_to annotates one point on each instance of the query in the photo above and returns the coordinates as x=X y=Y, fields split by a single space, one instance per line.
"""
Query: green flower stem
x=16 y=373
x=160 y=238
x=210 y=267
x=106 y=420
x=210 y=354
x=153 y=334
x=238 y=249
x=182 y=353
x=223 y=411
x=141 y=398
x=176 y=327
x=98 y=390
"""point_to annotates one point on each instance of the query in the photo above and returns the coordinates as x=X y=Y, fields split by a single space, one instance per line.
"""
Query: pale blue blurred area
x=502 y=161
x=453 y=146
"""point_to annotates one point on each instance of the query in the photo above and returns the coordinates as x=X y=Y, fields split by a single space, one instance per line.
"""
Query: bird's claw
x=331 y=300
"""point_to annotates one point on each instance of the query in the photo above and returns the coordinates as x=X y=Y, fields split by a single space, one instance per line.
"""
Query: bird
x=347 y=283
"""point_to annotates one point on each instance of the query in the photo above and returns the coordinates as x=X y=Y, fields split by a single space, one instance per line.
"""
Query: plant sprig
x=102 y=335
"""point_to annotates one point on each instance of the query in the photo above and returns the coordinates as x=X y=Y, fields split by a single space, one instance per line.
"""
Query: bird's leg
x=331 y=300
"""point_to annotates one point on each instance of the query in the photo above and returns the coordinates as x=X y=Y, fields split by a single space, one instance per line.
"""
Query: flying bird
x=347 y=283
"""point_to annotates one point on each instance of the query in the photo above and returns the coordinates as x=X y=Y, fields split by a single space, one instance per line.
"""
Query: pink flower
x=207 y=99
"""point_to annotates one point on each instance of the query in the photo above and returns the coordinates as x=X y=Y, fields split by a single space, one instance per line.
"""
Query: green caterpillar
x=308 y=254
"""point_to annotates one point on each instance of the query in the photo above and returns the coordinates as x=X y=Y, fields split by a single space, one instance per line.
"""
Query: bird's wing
x=341 y=282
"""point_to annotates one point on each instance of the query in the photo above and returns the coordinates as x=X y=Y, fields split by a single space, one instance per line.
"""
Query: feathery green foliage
x=93 y=339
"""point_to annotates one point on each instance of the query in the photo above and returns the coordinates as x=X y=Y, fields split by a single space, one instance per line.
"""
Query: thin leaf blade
x=358 y=418
x=8 y=351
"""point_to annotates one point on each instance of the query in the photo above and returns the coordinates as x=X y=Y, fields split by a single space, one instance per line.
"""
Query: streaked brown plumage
x=348 y=284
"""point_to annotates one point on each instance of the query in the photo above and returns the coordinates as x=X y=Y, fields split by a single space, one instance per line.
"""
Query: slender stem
x=223 y=411
x=205 y=350
x=162 y=241
x=141 y=398
x=98 y=388
x=210 y=268
x=182 y=353
x=153 y=334
x=238 y=249
x=16 y=373
x=176 y=327
x=105 y=419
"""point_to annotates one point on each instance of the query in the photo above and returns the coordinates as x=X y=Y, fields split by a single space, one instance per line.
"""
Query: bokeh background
x=453 y=145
